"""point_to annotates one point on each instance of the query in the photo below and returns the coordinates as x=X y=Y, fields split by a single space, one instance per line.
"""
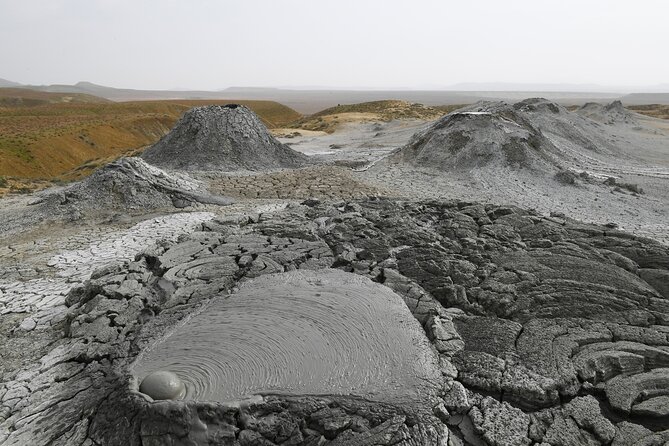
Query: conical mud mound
x=611 y=114
x=222 y=138
x=127 y=184
x=486 y=134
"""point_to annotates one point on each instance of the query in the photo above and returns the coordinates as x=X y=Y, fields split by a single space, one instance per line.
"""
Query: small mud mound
x=540 y=105
x=221 y=138
x=612 y=114
x=127 y=184
x=486 y=134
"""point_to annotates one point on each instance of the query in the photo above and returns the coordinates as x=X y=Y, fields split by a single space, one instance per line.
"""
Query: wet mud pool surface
x=300 y=333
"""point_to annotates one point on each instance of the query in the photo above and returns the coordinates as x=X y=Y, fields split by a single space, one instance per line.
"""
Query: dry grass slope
x=654 y=110
x=329 y=119
x=24 y=97
x=69 y=141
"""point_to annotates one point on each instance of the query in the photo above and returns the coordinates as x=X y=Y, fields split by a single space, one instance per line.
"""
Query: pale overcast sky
x=209 y=44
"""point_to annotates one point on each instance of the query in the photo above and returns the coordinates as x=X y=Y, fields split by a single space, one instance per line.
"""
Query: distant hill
x=71 y=140
x=329 y=119
x=250 y=89
x=5 y=83
x=128 y=94
x=653 y=110
x=307 y=101
x=645 y=98
x=515 y=86
x=304 y=101
x=23 y=97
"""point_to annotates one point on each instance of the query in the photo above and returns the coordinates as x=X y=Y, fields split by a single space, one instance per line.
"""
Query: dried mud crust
x=324 y=182
x=547 y=330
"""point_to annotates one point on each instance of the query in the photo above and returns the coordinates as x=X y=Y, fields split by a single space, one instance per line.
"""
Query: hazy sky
x=208 y=44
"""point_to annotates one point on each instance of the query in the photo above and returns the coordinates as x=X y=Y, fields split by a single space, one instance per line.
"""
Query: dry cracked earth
x=353 y=297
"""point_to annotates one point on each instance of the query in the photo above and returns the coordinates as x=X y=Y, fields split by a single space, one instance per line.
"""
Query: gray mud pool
x=299 y=333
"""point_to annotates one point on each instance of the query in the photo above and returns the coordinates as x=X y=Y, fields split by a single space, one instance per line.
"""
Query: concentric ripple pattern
x=300 y=332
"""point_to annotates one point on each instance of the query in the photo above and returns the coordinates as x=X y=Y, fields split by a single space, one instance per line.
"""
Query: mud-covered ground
x=538 y=328
x=641 y=157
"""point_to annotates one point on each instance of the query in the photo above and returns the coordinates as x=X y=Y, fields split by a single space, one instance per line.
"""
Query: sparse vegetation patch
x=634 y=188
x=566 y=177
x=329 y=119
x=654 y=110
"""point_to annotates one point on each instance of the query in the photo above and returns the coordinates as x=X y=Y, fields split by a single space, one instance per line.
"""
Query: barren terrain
x=495 y=276
x=69 y=140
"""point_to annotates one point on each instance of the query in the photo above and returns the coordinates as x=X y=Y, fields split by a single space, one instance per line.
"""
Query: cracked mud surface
x=543 y=330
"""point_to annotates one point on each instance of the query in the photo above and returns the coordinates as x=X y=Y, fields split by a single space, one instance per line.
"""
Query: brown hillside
x=70 y=140
x=329 y=119
x=654 y=110
x=24 y=97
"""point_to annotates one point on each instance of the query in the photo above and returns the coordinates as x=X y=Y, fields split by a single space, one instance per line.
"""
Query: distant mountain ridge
x=128 y=94
x=243 y=89
x=645 y=98
x=514 y=86
x=24 y=97
x=553 y=87
x=308 y=101
x=4 y=83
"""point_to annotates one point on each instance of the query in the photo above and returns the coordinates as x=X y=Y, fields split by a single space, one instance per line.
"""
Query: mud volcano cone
x=224 y=138
x=612 y=114
x=484 y=135
x=126 y=185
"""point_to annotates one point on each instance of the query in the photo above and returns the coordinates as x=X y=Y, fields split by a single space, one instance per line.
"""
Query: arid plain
x=384 y=273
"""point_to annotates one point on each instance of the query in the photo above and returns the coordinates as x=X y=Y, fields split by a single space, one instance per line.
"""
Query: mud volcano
x=224 y=138
x=300 y=333
x=612 y=114
x=486 y=134
x=127 y=184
